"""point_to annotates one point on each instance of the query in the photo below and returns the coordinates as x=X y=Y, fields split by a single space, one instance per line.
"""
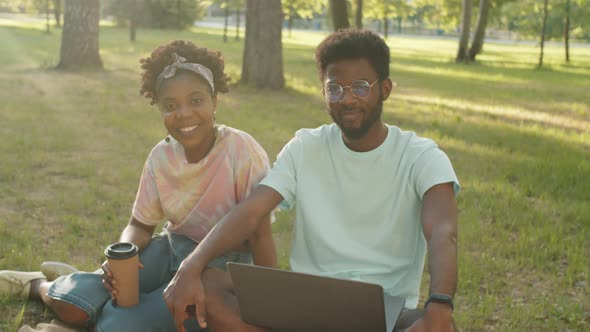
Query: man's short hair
x=354 y=44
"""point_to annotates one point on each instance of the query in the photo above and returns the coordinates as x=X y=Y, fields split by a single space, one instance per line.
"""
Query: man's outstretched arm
x=186 y=288
x=439 y=223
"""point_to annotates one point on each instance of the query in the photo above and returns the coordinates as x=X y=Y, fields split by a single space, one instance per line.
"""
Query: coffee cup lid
x=121 y=250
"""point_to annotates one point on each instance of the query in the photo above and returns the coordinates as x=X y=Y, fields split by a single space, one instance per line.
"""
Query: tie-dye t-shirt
x=194 y=197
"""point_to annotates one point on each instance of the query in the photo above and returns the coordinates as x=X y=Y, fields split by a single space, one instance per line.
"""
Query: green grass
x=72 y=146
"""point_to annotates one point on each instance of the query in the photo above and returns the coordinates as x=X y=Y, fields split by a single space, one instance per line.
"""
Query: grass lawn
x=72 y=146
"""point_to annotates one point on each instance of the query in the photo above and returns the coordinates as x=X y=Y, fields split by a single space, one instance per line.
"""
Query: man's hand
x=437 y=318
x=184 y=292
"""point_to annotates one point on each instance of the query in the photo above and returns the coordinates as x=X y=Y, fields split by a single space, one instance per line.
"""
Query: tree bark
x=79 y=40
x=263 y=55
x=480 y=29
x=566 y=31
x=543 y=34
x=359 y=14
x=339 y=14
x=465 y=27
x=57 y=12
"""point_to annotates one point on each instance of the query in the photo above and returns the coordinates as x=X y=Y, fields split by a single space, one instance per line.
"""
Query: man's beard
x=360 y=132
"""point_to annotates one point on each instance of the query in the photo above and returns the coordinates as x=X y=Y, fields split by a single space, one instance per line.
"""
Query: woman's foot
x=17 y=284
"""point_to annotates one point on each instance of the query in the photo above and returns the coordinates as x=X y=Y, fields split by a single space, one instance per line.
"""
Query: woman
x=191 y=179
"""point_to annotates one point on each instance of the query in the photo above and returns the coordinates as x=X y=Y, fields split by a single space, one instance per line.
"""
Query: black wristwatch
x=440 y=298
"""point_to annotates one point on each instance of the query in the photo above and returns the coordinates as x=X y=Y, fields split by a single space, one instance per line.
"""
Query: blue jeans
x=161 y=259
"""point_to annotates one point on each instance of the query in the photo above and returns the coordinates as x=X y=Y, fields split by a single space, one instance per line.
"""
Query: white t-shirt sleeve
x=147 y=207
x=282 y=177
x=433 y=167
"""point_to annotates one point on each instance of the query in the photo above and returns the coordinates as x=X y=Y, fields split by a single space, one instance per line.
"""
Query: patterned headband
x=180 y=63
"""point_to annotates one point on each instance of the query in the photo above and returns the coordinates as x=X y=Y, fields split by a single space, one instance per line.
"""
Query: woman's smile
x=188 y=130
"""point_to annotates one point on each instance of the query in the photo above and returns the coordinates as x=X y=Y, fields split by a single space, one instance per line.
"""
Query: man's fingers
x=202 y=312
x=179 y=317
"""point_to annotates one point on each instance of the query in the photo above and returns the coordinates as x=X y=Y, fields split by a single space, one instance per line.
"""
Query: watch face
x=440 y=298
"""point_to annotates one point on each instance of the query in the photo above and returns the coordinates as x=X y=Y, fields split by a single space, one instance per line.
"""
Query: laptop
x=291 y=301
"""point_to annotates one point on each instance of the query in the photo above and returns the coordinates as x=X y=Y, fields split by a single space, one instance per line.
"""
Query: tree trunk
x=57 y=12
x=480 y=29
x=566 y=31
x=132 y=21
x=399 y=25
x=543 y=33
x=359 y=14
x=465 y=26
x=225 y=21
x=47 y=16
x=237 y=23
x=263 y=55
x=339 y=14
x=385 y=27
x=79 y=40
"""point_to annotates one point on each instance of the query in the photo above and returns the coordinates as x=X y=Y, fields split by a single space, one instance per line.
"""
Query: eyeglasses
x=334 y=92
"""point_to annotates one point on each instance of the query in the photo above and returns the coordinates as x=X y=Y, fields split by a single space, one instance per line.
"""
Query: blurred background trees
x=157 y=14
x=470 y=21
x=506 y=19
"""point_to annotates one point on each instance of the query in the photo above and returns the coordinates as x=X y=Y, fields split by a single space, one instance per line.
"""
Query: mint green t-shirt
x=358 y=214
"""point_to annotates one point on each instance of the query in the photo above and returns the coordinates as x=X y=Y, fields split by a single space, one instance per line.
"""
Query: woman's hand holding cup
x=108 y=281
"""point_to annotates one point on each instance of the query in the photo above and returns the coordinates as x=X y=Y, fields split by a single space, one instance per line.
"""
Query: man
x=369 y=197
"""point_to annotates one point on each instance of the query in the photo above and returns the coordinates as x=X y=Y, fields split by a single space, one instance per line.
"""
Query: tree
x=465 y=27
x=566 y=31
x=158 y=14
x=227 y=6
x=238 y=14
x=263 y=55
x=300 y=8
x=339 y=11
x=385 y=10
x=132 y=21
x=359 y=14
x=79 y=41
x=48 y=30
x=57 y=12
x=543 y=33
x=225 y=20
x=480 y=29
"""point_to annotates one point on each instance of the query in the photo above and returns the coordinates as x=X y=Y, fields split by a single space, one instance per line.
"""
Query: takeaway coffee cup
x=124 y=265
